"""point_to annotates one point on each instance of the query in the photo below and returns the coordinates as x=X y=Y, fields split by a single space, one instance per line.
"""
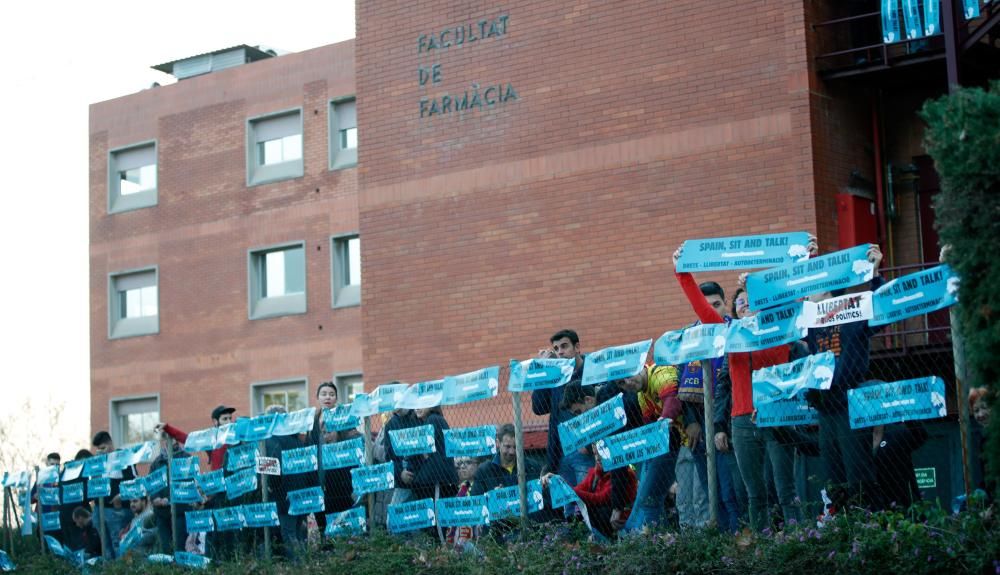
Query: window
x=343 y=134
x=274 y=147
x=133 y=420
x=277 y=281
x=346 y=266
x=133 y=304
x=132 y=177
x=348 y=386
x=292 y=395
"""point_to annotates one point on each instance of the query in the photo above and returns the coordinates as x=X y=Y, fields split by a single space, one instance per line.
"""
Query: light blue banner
x=119 y=459
x=636 y=445
x=254 y=429
x=22 y=479
x=261 y=514
x=131 y=538
x=612 y=363
x=75 y=558
x=908 y=400
x=743 y=252
x=241 y=457
x=470 y=511
x=702 y=341
x=192 y=560
x=182 y=468
x=202 y=440
x=413 y=440
x=184 y=492
x=199 y=521
x=305 y=501
x=28 y=518
x=340 y=418
x=593 y=424
x=786 y=380
x=155 y=481
x=96 y=466
x=473 y=386
x=372 y=478
x=381 y=400
x=72 y=493
x=503 y=502
x=350 y=522
x=48 y=475
x=134 y=489
x=48 y=495
x=911 y=17
x=784 y=412
x=241 y=482
x=915 y=294
x=539 y=373
x=301 y=460
x=98 y=487
x=536 y=499
x=228 y=518
x=790 y=282
x=769 y=328
x=212 y=482
x=5 y=562
x=890 y=21
x=410 y=516
x=560 y=493
x=71 y=471
x=470 y=441
x=294 y=423
x=50 y=521
x=971 y=9
x=422 y=395
x=350 y=453
x=932 y=17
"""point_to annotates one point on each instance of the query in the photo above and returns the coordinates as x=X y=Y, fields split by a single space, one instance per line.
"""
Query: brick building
x=518 y=170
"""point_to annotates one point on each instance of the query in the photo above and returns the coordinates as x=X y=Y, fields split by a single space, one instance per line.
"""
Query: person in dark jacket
x=116 y=515
x=83 y=535
x=292 y=527
x=435 y=475
x=892 y=454
x=67 y=507
x=571 y=466
x=336 y=483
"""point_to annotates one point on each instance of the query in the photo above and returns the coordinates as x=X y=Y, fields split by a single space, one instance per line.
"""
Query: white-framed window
x=133 y=303
x=343 y=134
x=349 y=386
x=274 y=147
x=277 y=278
x=132 y=177
x=346 y=267
x=133 y=419
x=291 y=394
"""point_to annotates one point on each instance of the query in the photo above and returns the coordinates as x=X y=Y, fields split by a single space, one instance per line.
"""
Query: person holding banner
x=139 y=536
x=595 y=492
x=752 y=445
x=402 y=466
x=846 y=453
x=160 y=503
x=465 y=468
x=66 y=508
x=116 y=515
x=221 y=415
x=83 y=535
x=436 y=475
x=336 y=483
x=291 y=527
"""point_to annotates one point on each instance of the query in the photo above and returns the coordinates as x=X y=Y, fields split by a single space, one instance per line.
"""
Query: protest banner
x=896 y=402
x=593 y=424
x=743 y=252
x=790 y=282
x=915 y=294
x=612 y=363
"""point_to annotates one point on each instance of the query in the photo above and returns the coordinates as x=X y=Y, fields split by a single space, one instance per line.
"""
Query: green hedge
x=963 y=137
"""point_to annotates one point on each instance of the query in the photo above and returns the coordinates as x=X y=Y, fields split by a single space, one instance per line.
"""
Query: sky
x=61 y=58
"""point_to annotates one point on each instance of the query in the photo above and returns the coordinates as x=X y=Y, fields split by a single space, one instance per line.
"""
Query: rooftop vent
x=214 y=61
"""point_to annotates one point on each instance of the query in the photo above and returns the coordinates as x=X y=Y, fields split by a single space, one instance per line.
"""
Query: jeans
x=846 y=453
x=654 y=484
x=692 y=488
x=753 y=446
x=115 y=520
x=290 y=535
x=730 y=484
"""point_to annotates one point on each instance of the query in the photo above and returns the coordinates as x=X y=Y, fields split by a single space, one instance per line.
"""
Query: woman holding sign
x=336 y=483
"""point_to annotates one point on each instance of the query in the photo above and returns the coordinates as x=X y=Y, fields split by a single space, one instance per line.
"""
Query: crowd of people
x=754 y=465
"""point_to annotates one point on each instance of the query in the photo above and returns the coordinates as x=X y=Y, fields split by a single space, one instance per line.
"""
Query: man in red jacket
x=221 y=415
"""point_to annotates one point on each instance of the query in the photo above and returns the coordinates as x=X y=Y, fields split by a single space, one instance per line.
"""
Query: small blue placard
x=96 y=466
x=932 y=18
x=300 y=460
x=192 y=560
x=182 y=468
x=790 y=282
x=6 y=564
x=133 y=489
x=228 y=518
x=743 y=252
x=890 y=21
x=72 y=493
x=142 y=452
x=468 y=511
x=48 y=475
x=241 y=482
x=203 y=440
x=539 y=373
x=184 y=492
x=640 y=444
x=613 y=363
x=241 y=457
x=305 y=501
x=786 y=380
x=593 y=424
x=382 y=399
x=915 y=294
x=254 y=429
x=48 y=495
x=340 y=418
x=261 y=514
x=212 y=482
x=410 y=516
x=697 y=342
x=413 y=440
x=912 y=399
x=794 y=410
x=349 y=453
x=294 y=423
x=98 y=487
x=372 y=478
x=769 y=328
x=71 y=471
x=155 y=482
x=50 y=521
x=503 y=502
x=470 y=441
x=422 y=395
x=560 y=492
x=131 y=538
x=350 y=522
x=473 y=386
x=536 y=499
x=199 y=521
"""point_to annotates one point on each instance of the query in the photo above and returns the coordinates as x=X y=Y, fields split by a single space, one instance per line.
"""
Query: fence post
x=173 y=506
x=103 y=527
x=958 y=351
x=522 y=480
x=6 y=522
x=262 y=446
x=38 y=515
x=369 y=459
x=708 y=387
